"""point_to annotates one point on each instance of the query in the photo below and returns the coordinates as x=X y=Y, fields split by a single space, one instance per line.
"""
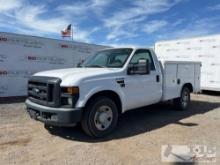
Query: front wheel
x=100 y=117
x=182 y=103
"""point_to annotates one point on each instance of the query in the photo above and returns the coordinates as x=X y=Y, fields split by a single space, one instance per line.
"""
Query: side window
x=143 y=54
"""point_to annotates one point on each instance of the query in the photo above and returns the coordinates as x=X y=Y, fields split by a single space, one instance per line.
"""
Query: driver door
x=142 y=90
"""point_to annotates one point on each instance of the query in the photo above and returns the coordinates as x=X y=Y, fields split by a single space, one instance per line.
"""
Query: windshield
x=111 y=58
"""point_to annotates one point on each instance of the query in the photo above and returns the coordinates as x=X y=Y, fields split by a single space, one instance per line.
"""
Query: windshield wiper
x=96 y=66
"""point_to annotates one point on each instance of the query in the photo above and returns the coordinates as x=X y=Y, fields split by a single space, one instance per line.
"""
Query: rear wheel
x=182 y=103
x=100 y=117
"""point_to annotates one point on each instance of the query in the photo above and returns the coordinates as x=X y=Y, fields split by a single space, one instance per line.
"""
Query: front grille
x=44 y=90
x=38 y=91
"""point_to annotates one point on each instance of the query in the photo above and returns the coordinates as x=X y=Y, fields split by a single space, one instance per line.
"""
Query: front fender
x=87 y=91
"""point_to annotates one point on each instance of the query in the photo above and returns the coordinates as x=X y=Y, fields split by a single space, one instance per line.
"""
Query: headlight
x=69 y=96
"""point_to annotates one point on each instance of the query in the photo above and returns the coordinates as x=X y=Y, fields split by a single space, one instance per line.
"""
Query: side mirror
x=143 y=67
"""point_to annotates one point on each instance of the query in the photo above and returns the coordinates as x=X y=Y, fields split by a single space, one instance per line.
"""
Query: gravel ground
x=137 y=139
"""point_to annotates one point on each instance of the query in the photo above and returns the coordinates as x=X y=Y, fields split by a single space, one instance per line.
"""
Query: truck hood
x=72 y=76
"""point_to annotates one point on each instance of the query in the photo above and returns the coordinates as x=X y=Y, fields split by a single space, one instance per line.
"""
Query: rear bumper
x=54 y=116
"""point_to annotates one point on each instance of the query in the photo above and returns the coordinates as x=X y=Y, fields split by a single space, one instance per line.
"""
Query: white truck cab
x=108 y=84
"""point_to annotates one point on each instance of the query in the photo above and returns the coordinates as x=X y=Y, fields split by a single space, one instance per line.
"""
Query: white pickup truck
x=108 y=84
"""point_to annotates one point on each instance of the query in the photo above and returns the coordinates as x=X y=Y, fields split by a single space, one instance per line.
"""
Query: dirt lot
x=137 y=140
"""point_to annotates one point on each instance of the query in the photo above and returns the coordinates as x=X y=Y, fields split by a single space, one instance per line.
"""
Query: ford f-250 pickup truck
x=108 y=84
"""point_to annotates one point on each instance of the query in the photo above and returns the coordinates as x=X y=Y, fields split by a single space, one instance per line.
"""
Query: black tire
x=182 y=103
x=90 y=123
x=48 y=126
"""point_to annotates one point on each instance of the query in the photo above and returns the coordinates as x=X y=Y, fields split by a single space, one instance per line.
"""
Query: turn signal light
x=72 y=90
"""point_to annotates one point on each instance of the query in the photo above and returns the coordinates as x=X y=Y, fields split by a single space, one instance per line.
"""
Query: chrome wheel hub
x=103 y=118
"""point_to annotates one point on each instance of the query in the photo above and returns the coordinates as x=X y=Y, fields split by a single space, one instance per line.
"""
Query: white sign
x=202 y=49
x=21 y=56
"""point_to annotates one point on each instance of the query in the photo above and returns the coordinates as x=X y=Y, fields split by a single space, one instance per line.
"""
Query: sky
x=112 y=22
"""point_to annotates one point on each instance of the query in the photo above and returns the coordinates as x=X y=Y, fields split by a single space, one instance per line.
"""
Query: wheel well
x=188 y=85
x=110 y=94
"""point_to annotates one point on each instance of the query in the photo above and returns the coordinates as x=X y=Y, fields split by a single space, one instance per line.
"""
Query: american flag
x=67 y=32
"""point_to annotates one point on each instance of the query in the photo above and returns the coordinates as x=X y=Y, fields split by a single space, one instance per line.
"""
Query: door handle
x=157 y=78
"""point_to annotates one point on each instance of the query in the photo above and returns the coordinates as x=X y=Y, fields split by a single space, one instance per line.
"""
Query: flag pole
x=72 y=33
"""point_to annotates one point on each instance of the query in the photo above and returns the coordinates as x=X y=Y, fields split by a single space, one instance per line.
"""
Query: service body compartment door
x=170 y=86
x=176 y=75
x=186 y=73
